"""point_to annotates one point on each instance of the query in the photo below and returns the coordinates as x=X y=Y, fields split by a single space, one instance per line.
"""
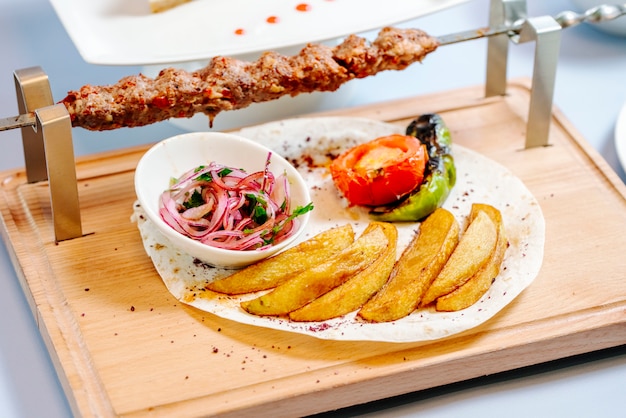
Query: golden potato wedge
x=314 y=282
x=275 y=270
x=353 y=293
x=475 y=248
x=479 y=283
x=415 y=270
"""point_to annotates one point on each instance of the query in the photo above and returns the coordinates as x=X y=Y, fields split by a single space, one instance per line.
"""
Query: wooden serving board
x=122 y=345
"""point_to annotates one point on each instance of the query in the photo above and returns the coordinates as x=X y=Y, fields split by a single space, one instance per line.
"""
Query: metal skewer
x=21 y=121
x=512 y=30
x=566 y=19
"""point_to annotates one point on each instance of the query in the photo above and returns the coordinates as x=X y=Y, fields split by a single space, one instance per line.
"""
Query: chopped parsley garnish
x=194 y=200
x=208 y=177
x=300 y=210
x=258 y=208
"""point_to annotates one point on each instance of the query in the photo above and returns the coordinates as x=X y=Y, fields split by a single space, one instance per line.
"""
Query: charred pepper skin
x=440 y=176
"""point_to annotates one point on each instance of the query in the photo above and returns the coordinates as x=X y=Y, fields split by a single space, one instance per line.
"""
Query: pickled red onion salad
x=228 y=208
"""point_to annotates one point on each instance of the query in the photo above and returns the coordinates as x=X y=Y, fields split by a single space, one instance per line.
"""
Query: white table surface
x=590 y=91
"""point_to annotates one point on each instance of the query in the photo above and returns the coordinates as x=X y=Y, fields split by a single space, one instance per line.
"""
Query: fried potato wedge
x=353 y=293
x=479 y=283
x=273 y=271
x=475 y=248
x=314 y=282
x=415 y=270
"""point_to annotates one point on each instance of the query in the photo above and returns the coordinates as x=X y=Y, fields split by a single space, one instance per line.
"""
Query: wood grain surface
x=123 y=346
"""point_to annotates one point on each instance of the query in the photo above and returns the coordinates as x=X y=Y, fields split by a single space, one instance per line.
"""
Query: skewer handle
x=598 y=14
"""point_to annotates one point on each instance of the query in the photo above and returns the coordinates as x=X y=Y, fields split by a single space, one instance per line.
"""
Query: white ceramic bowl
x=176 y=155
x=614 y=27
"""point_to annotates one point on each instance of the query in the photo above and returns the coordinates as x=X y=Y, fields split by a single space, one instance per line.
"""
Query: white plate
x=302 y=141
x=620 y=137
x=122 y=32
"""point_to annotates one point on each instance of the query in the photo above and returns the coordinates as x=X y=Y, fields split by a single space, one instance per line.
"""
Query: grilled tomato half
x=380 y=171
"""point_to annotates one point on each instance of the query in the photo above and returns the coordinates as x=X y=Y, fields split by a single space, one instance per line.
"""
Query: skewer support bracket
x=49 y=151
x=546 y=33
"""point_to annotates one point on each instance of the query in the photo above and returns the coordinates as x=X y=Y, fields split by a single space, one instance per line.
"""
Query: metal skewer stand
x=546 y=32
x=49 y=151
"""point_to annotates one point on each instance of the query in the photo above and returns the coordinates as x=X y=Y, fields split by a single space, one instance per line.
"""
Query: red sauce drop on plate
x=272 y=20
x=303 y=7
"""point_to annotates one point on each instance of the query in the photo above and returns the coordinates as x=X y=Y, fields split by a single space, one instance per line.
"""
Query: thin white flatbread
x=479 y=180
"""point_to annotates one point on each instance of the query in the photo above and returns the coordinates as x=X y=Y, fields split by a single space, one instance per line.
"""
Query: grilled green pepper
x=440 y=174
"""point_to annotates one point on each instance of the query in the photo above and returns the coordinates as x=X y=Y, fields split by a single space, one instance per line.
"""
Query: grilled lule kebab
x=230 y=84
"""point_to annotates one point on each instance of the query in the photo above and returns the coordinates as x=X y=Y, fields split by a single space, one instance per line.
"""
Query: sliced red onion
x=222 y=218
